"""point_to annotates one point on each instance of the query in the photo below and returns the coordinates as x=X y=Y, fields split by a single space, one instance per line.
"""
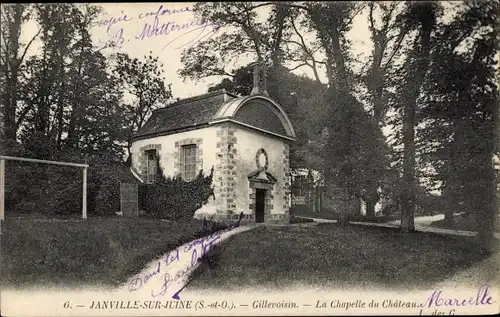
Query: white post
x=84 y=202
x=2 y=189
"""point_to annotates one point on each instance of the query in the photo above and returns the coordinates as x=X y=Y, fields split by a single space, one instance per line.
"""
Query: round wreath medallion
x=261 y=159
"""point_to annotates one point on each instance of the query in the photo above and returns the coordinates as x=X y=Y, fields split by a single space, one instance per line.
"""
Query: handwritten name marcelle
x=482 y=297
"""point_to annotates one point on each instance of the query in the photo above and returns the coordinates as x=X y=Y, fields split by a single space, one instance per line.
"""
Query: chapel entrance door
x=260 y=195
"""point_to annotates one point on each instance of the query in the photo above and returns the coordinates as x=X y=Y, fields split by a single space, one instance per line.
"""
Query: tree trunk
x=343 y=218
x=487 y=217
x=312 y=199
x=61 y=94
x=411 y=92
x=9 y=115
x=371 y=200
x=72 y=139
x=341 y=72
x=408 y=204
x=343 y=215
x=320 y=208
x=278 y=35
x=60 y=112
x=370 y=208
x=448 y=217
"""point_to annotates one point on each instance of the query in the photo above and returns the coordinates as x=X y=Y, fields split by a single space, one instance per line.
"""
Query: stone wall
x=224 y=172
x=226 y=176
x=249 y=143
x=231 y=149
x=168 y=149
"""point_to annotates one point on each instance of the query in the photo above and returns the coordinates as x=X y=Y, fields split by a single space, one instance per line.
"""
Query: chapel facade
x=246 y=139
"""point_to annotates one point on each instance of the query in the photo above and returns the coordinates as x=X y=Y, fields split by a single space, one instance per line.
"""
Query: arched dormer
x=255 y=111
x=259 y=112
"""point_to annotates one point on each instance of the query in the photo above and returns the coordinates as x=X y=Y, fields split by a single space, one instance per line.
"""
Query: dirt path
x=422 y=224
x=165 y=276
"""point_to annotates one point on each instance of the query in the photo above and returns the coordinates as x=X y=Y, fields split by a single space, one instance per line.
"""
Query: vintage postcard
x=250 y=158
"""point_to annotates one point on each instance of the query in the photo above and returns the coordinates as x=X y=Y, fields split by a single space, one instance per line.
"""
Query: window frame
x=189 y=169
x=151 y=177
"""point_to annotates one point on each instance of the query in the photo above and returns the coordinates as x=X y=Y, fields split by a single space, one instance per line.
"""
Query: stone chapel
x=245 y=138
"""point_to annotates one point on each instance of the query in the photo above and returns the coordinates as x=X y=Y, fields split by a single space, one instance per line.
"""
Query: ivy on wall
x=173 y=198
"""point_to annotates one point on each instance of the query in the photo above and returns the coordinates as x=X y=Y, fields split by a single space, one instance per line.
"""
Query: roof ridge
x=198 y=97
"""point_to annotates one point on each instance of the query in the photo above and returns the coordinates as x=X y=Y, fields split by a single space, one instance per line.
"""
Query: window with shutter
x=188 y=156
x=152 y=164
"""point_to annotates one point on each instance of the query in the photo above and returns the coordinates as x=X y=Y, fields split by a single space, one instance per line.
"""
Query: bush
x=44 y=189
x=173 y=198
x=107 y=181
x=299 y=209
x=57 y=190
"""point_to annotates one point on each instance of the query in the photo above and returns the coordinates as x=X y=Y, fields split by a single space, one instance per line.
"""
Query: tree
x=67 y=108
x=263 y=40
x=461 y=112
x=43 y=95
x=67 y=88
x=143 y=82
x=12 y=56
x=387 y=34
x=67 y=102
x=240 y=83
x=422 y=17
x=332 y=21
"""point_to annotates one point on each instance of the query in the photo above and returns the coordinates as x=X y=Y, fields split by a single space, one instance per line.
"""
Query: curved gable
x=260 y=114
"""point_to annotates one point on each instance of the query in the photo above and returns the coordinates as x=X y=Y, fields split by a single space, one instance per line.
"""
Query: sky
x=131 y=19
x=127 y=24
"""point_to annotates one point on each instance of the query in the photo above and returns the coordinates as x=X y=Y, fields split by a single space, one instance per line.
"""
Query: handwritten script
x=160 y=25
x=481 y=298
x=195 y=250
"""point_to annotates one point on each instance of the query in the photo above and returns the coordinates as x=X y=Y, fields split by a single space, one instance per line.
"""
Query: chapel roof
x=196 y=112
x=189 y=112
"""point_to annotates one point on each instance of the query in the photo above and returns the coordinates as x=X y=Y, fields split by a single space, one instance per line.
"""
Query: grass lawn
x=461 y=222
x=321 y=214
x=100 y=251
x=330 y=256
x=294 y=219
x=303 y=212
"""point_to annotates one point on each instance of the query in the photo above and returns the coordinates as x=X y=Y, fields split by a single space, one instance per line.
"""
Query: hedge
x=57 y=190
x=173 y=198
